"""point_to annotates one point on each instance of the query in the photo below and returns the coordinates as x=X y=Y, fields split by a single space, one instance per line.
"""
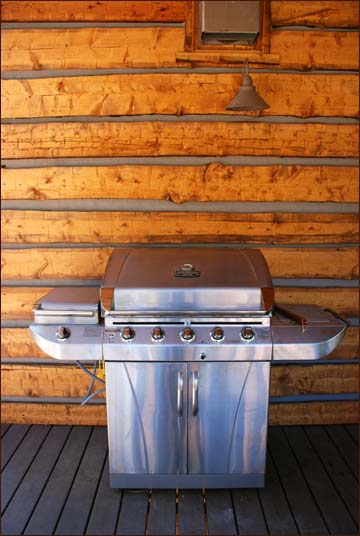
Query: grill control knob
x=247 y=334
x=128 y=334
x=217 y=334
x=63 y=333
x=157 y=334
x=187 y=334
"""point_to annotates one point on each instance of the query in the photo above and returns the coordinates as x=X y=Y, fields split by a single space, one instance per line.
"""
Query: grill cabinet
x=187 y=336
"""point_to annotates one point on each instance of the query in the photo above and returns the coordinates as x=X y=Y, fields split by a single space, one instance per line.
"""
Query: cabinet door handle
x=180 y=394
x=195 y=393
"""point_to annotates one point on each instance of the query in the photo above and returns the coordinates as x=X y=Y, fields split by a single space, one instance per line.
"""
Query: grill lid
x=144 y=280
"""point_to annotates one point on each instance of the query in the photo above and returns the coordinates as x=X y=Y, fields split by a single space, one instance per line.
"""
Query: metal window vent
x=229 y=22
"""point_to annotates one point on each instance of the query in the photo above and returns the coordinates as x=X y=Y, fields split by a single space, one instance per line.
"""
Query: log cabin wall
x=112 y=136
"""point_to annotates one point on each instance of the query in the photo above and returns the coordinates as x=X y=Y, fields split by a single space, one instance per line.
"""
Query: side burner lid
x=187 y=279
x=71 y=305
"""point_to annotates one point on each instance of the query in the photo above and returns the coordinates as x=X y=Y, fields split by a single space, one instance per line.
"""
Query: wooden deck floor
x=55 y=481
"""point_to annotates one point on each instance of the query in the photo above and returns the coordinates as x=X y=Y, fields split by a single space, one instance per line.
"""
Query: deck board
x=346 y=447
x=335 y=514
x=105 y=511
x=274 y=503
x=11 y=441
x=47 y=511
x=162 y=515
x=15 y=470
x=249 y=516
x=77 y=509
x=345 y=483
x=56 y=481
x=133 y=513
x=22 y=504
x=4 y=429
x=191 y=512
x=353 y=430
x=308 y=518
x=220 y=513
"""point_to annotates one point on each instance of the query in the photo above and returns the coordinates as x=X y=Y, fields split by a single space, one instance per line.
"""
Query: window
x=229 y=23
x=227 y=31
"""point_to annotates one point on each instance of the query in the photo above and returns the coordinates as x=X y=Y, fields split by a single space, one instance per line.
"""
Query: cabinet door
x=228 y=406
x=147 y=412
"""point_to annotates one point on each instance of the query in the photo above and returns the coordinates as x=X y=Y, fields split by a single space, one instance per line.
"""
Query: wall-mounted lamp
x=247 y=99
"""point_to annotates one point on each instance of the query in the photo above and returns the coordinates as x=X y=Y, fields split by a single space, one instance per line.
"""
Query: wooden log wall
x=113 y=135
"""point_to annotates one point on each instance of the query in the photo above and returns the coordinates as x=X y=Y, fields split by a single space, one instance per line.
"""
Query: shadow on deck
x=55 y=481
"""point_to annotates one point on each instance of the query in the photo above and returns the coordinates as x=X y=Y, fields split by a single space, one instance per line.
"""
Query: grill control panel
x=174 y=334
x=185 y=342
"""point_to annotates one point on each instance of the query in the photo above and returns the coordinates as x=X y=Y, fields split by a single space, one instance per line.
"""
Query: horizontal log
x=17 y=342
x=316 y=49
x=230 y=56
x=68 y=414
x=38 y=381
x=287 y=94
x=101 y=48
x=340 y=263
x=348 y=347
x=345 y=301
x=279 y=414
x=323 y=13
x=213 y=182
x=93 y=11
x=291 y=380
x=90 y=263
x=21 y=226
x=17 y=302
x=45 y=381
x=157 y=138
x=90 y=48
x=314 y=413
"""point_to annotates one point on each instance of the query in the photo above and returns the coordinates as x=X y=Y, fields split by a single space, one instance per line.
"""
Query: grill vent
x=229 y=22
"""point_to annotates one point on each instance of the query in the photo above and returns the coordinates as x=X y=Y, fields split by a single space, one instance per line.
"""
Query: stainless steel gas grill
x=187 y=336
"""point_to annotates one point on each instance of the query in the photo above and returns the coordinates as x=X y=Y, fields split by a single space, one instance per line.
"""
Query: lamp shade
x=247 y=98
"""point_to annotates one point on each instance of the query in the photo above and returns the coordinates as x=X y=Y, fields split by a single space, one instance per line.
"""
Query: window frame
x=193 y=37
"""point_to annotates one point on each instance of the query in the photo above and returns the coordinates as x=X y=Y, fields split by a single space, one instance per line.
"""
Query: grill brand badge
x=187 y=270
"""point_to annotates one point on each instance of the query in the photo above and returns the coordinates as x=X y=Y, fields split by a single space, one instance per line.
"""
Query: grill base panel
x=173 y=421
x=131 y=481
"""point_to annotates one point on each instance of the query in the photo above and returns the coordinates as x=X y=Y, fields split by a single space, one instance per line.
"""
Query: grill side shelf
x=85 y=342
x=305 y=330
